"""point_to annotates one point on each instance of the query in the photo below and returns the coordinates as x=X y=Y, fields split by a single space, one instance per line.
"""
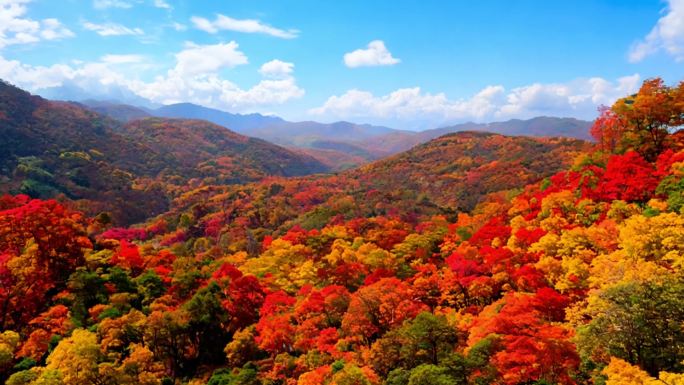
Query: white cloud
x=276 y=69
x=579 y=98
x=121 y=59
x=112 y=29
x=162 y=4
x=375 y=55
x=104 y=4
x=667 y=35
x=203 y=59
x=91 y=75
x=214 y=91
x=16 y=28
x=195 y=78
x=409 y=104
x=223 y=22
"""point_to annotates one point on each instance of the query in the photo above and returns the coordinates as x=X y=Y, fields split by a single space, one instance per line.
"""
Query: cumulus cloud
x=85 y=75
x=195 y=77
x=201 y=59
x=276 y=69
x=227 y=23
x=214 y=91
x=410 y=103
x=16 y=28
x=578 y=98
x=667 y=35
x=104 y=4
x=111 y=29
x=376 y=54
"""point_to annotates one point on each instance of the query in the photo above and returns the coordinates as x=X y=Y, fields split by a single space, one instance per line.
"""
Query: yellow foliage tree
x=8 y=344
x=657 y=238
x=290 y=266
x=620 y=372
x=76 y=358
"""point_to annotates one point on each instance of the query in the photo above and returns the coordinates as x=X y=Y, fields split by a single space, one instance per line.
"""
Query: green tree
x=428 y=374
x=208 y=323
x=88 y=290
x=426 y=339
x=350 y=375
x=638 y=322
x=430 y=337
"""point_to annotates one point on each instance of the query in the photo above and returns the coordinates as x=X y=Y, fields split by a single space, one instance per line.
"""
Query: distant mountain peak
x=343 y=139
x=237 y=122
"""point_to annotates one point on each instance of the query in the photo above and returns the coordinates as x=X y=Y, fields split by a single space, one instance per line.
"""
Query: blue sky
x=407 y=64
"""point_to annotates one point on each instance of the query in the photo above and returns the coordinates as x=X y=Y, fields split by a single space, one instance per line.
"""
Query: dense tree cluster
x=574 y=279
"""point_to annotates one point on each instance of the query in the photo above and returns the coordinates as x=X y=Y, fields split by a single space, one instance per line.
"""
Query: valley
x=166 y=250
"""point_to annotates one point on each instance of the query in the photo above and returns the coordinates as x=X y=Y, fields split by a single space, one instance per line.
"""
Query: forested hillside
x=472 y=259
x=408 y=187
x=128 y=170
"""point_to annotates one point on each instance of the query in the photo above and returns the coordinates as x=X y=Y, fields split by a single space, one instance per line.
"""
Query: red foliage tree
x=41 y=243
x=608 y=130
x=128 y=257
x=275 y=329
x=529 y=347
x=375 y=309
x=628 y=177
x=244 y=295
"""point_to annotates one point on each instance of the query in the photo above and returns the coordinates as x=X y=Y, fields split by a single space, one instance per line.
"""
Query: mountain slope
x=542 y=126
x=58 y=148
x=456 y=170
x=199 y=146
x=304 y=135
x=338 y=145
x=448 y=175
x=335 y=160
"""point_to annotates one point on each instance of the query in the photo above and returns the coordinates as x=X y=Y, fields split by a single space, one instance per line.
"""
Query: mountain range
x=341 y=144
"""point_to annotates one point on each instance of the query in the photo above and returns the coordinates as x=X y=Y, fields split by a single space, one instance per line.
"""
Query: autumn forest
x=175 y=251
